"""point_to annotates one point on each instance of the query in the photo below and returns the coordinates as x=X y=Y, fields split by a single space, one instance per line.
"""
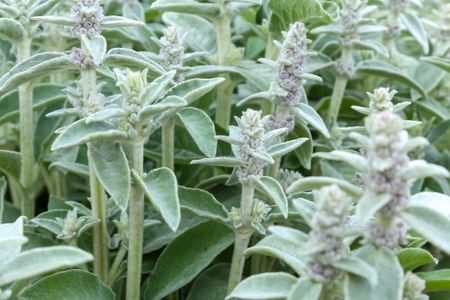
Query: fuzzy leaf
x=187 y=7
x=201 y=129
x=308 y=114
x=294 y=236
x=313 y=182
x=211 y=284
x=202 y=203
x=96 y=47
x=305 y=289
x=435 y=201
x=192 y=89
x=415 y=27
x=281 y=149
x=304 y=152
x=10 y=163
x=36 y=66
x=127 y=58
x=40 y=8
x=273 y=190
x=11 y=30
x=371 y=45
x=358 y=267
x=264 y=286
x=420 y=169
x=443 y=63
x=112 y=169
x=157 y=88
x=41 y=260
x=355 y=160
x=389 y=273
x=381 y=68
x=76 y=168
x=66 y=285
x=164 y=105
x=432 y=225
x=200 y=34
x=230 y=162
x=79 y=133
x=182 y=260
x=369 y=204
x=160 y=187
x=118 y=21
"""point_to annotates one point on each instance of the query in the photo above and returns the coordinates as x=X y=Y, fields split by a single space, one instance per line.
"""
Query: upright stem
x=242 y=237
x=135 y=226
x=224 y=46
x=168 y=139
x=98 y=197
x=116 y=264
x=98 y=207
x=339 y=87
x=26 y=135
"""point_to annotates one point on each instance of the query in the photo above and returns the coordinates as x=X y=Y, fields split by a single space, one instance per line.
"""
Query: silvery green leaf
x=128 y=58
x=369 y=204
x=274 y=246
x=420 y=169
x=264 y=286
x=371 y=45
x=383 y=69
x=187 y=57
x=361 y=109
x=401 y=106
x=294 y=236
x=315 y=182
x=307 y=113
x=389 y=273
x=200 y=128
x=353 y=159
x=367 y=29
x=443 y=63
x=306 y=208
x=274 y=133
x=433 y=225
x=48 y=220
x=55 y=20
x=111 y=167
x=12 y=229
x=436 y=201
x=40 y=8
x=228 y=139
x=263 y=156
x=41 y=260
x=408 y=124
x=255 y=2
x=160 y=187
x=160 y=107
x=215 y=278
x=96 y=47
x=2 y=196
x=281 y=149
x=157 y=88
x=64 y=112
x=73 y=167
x=192 y=89
x=118 y=21
x=415 y=27
x=79 y=133
x=187 y=7
x=219 y=161
x=42 y=64
x=308 y=76
x=10 y=162
x=8 y=11
x=11 y=30
x=68 y=283
x=331 y=29
x=416 y=142
x=11 y=246
x=305 y=289
x=202 y=203
x=304 y=152
x=358 y=267
x=256 y=96
x=105 y=114
x=200 y=34
x=273 y=190
x=183 y=259
x=360 y=138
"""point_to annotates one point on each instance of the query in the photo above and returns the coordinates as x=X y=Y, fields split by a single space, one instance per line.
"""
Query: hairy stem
x=26 y=135
x=98 y=208
x=242 y=237
x=168 y=139
x=224 y=46
x=135 y=225
x=339 y=87
x=116 y=264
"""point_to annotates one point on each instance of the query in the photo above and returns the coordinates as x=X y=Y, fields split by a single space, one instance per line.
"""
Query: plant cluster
x=224 y=149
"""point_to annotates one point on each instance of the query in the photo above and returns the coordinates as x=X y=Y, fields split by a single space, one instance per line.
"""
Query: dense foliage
x=224 y=149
